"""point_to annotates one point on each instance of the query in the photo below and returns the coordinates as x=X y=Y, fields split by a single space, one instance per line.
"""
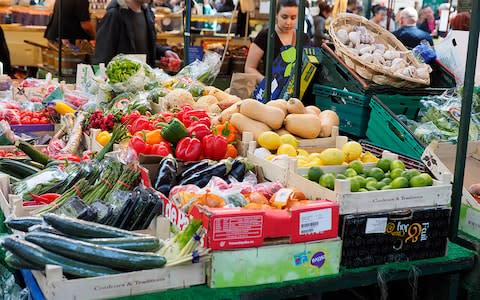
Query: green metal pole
x=299 y=45
x=270 y=47
x=367 y=6
x=186 y=31
x=467 y=96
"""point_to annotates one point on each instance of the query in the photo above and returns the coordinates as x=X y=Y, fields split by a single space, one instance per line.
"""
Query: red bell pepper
x=195 y=115
x=183 y=109
x=189 y=149
x=139 y=145
x=214 y=147
x=162 y=149
x=198 y=131
x=128 y=119
x=142 y=123
x=69 y=157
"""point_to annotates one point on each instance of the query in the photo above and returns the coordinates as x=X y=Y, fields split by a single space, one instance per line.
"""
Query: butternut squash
x=314 y=108
x=280 y=103
x=295 y=106
x=306 y=126
x=245 y=124
x=282 y=131
x=328 y=119
x=271 y=116
x=309 y=110
x=227 y=113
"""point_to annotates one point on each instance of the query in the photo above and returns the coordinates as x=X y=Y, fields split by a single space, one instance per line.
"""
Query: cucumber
x=142 y=244
x=23 y=223
x=33 y=153
x=35 y=164
x=75 y=227
x=41 y=257
x=17 y=168
x=44 y=228
x=19 y=263
x=96 y=254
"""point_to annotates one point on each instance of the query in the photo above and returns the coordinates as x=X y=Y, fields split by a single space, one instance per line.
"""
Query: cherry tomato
x=26 y=120
x=44 y=120
x=35 y=120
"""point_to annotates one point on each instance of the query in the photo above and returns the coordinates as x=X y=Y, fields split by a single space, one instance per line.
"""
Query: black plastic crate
x=396 y=236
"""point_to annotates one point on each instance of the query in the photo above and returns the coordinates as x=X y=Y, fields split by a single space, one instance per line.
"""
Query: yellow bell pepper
x=103 y=137
x=63 y=108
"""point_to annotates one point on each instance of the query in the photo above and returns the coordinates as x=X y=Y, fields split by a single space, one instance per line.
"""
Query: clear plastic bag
x=204 y=71
x=7 y=137
x=128 y=75
x=40 y=183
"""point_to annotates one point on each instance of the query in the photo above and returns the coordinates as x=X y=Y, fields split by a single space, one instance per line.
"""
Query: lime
x=350 y=172
x=387 y=175
x=417 y=181
x=269 y=140
x=363 y=190
x=370 y=179
x=357 y=166
x=288 y=139
x=428 y=179
x=314 y=174
x=397 y=164
x=387 y=187
x=399 y=183
x=328 y=181
x=409 y=174
x=354 y=185
x=396 y=173
x=371 y=186
x=376 y=173
x=341 y=176
x=380 y=185
x=384 y=164
x=362 y=181
x=386 y=180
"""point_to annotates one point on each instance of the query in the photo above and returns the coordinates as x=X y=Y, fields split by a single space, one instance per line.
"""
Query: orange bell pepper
x=103 y=137
x=227 y=130
x=231 y=151
x=150 y=137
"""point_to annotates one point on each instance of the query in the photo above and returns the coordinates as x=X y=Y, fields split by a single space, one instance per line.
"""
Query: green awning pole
x=270 y=47
x=299 y=45
x=463 y=131
x=186 y=31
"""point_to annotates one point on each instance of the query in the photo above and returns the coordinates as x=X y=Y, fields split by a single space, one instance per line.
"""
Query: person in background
x=428 y=23
x=321 y=33
x=409 y=34
x=128 y=27
x=309 y=26
x=397 y=18
x=75 y=21
x=352 y=6
x=285 y=35
x=461 y=21
x=379 y=13
x=226 y=6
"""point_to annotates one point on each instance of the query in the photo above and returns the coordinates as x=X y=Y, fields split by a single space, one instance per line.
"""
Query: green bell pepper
x=174 y=131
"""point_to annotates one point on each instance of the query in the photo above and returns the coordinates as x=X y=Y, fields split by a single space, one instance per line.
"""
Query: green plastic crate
x=386 y=130
x=352 y=109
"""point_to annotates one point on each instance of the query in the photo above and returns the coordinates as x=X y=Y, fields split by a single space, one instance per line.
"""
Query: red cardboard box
x=231 y=228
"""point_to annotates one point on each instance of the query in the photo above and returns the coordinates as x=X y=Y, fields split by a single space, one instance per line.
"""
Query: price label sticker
x=315 y=221
x=376 y=225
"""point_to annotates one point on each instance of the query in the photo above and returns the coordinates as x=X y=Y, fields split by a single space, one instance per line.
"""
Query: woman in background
x=321 y=33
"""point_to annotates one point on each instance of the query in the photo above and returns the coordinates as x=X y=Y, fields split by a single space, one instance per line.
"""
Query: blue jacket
x=411 y=36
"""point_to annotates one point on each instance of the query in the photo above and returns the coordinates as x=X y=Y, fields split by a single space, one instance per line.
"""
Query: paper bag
x=242 y=85
x=84 y=77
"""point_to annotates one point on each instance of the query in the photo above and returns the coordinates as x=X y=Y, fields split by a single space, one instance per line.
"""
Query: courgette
x=20 y=169
x=41 y=257
x=23 y=223
x=75 y=227
x=142 y=244
x=19 y=263
x=96 y=254
x=35 y=164
x=33 y=153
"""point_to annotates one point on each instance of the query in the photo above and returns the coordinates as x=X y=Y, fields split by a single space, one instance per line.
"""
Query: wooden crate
x=54 y=285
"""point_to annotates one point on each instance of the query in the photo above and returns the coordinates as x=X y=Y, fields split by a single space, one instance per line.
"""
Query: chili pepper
x=199 y=131
x=139 y=145
x=214 y=146
x=161 y=149
x=103 y=137
x=231 y=151
x=142 y=123
x=45 y=198
x=227 y=130
x=195 y=115
x=189 y=149
x=174 y=131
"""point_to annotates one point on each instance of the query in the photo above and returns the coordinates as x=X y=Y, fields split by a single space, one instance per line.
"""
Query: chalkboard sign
x=195 y=52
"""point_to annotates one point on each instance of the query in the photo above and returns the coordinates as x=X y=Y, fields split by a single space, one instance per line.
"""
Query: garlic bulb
x=378 y=58
x=364 y=50
x=354 y=38
x=342 y=35
x=391 y=54
x=398 y=64
x=367 y=57
x=423 y=73
x=409 y=71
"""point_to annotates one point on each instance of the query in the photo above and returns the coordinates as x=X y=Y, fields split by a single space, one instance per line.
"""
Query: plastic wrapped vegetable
x=204 y=71
x=125 y=74
x=45 y=181
x=167 y=173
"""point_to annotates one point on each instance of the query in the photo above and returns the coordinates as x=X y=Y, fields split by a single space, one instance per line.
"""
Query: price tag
x=376 y=225
x=315 y=221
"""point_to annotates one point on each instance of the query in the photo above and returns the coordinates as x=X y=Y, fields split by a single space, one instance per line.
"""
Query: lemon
x=332 y=156
x=302 y=152
x=301 y=163
x=288 y=139
x=313 y=156
x=316 y=162
x=287 y=149
x=269 y=140
x=352 y=151
x=368 y=157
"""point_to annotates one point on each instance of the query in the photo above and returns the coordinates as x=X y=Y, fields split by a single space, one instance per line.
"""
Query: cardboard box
x=54 y=286
x=273 y=264
x=231 y=228
x=440 y=159
x=379 y=238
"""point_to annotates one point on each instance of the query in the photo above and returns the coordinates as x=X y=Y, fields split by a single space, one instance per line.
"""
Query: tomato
x=35 y=120
x=44 y=120
x=26 y=120
x=2 y=153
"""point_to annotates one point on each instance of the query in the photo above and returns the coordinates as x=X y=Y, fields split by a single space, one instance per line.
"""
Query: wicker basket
x=371 y=71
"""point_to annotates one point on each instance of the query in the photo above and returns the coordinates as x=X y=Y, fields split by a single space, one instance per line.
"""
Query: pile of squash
x=280 y=116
